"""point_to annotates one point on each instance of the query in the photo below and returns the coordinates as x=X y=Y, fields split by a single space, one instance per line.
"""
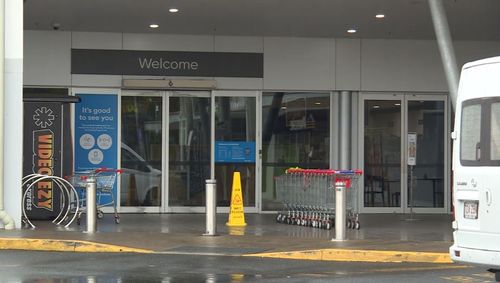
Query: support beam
x=5 y=220
x=344 y=130
x=445 y=45
x=13 y=116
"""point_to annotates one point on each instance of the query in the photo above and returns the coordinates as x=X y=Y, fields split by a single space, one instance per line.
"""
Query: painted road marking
x=479 y=278
x=64 y=246
x=360 y=256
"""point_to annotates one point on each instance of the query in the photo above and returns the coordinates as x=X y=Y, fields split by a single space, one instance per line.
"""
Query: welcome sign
x=167 y=63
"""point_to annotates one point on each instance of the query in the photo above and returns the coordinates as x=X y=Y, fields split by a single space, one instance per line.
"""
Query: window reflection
x=295 y=132
x=235 y=120
x=189 y=150
x=141 y=151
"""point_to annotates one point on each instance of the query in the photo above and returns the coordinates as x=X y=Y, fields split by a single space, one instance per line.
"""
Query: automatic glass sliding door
x=382 y=153
x=188 y=149
x=141 y=151
x=426 y=183
x=390 y=184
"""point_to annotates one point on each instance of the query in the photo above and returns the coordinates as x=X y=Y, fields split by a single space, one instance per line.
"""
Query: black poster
x=167 y=63
x=42 y=154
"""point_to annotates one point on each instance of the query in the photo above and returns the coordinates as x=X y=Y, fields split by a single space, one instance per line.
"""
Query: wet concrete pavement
x=182 y=234
x=21 y=266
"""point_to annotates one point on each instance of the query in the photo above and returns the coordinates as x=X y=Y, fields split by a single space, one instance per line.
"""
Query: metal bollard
x=211 y=207
x=340 y=211
x=91 y=205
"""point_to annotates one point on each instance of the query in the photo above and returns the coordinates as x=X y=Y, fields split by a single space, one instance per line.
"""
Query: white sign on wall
x=412 y=149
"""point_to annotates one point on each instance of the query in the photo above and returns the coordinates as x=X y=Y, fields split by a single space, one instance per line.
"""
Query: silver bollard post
x=91 y=205
x=340 y=211
x=211 y=207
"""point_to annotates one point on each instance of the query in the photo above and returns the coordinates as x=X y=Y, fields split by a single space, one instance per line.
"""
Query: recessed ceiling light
x=283 y=107
x=352 y=30
x=376 y=106
x=397 y=104
x=317 y=103
x=379 y=16
x=173 y=10
x=154 y=26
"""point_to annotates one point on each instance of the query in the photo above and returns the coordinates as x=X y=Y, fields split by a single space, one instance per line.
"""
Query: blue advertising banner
x=96 y=136
x=234 y=152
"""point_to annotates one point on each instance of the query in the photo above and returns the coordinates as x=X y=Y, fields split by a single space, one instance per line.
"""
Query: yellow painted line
x=64 y=246
x=359 y=256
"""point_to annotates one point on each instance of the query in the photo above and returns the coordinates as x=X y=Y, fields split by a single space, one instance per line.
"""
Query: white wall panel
x=239 y=44
x=348 y=64
x=96 y=40
x=401 y=65
x=298 y=63
x=163 y=42
x=96 y=81
x=47 y=58
x=239 y=83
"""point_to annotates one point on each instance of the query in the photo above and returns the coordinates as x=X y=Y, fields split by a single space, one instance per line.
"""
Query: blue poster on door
x=234 y=152
x=96 y=137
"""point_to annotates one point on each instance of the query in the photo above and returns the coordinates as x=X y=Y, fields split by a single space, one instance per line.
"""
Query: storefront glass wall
x=295 y=133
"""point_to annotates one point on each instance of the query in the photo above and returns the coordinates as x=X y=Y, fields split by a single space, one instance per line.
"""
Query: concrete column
x=334 y=130
x=13 y=116
x=345 y=130
x=445 y=47
x=212 y=136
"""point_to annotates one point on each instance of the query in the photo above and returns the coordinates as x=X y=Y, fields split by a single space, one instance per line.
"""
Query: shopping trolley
x=308 y=197
x=105 y=179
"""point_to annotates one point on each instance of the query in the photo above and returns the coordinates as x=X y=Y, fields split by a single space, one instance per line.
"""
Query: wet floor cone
x=236 y=213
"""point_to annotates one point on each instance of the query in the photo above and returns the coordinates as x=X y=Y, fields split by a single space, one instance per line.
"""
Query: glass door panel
x=235 y=139
x=141 y=150
x=382 y=153
x=189 y=149
x=295 y=133
x=427 y=120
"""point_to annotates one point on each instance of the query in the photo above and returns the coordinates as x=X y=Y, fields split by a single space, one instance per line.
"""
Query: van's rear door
x=477 y=178
x=490 y=189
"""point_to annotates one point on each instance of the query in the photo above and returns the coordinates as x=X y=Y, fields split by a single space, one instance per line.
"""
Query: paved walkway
x=426 y=239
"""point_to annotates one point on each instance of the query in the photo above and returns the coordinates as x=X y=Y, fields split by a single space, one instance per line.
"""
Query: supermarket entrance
x=166 y=148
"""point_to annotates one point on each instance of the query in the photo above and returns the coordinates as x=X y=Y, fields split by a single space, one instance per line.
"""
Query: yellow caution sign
x=236 y=213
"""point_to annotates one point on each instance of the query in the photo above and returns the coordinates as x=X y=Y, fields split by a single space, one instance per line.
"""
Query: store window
x=295 y=133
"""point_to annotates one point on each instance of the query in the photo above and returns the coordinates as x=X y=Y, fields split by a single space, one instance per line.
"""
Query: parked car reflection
x=140 y=182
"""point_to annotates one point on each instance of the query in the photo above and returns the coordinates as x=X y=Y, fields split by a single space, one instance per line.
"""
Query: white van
x=476 y=166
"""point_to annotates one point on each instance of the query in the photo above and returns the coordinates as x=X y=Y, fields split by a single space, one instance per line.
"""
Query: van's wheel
x=497 y=274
